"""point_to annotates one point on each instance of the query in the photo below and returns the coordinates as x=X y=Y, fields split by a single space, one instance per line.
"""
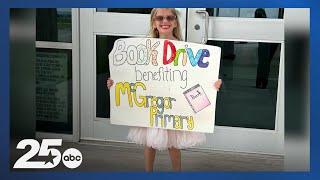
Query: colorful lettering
x=165 y=51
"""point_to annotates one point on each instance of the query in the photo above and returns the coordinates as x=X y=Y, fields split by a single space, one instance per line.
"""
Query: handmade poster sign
x=162 y=83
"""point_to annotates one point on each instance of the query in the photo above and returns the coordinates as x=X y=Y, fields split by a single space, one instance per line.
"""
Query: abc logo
x=72 y=158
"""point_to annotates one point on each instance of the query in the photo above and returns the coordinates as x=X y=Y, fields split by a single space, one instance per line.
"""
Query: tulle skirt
x=162 y=139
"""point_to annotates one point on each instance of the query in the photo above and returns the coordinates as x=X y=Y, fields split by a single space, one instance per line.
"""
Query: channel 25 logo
x=71 y=158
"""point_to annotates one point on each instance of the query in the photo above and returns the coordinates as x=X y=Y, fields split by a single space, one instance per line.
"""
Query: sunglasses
x=168 y=18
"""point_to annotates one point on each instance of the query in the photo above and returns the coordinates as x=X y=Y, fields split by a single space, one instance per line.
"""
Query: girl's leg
x=175 y=156
x=149 y=155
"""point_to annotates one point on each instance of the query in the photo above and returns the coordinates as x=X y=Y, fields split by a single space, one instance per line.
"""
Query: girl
x=164 y=24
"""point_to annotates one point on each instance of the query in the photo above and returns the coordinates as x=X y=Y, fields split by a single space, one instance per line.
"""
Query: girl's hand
x=109 y=83
x=217 y=84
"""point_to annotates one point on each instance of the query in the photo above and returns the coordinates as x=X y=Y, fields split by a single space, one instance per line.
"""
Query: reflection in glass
x=54 y=24
x=104 y=46
x=126 y=10
x=54 y=90
x=273 y=13
x=250 y=72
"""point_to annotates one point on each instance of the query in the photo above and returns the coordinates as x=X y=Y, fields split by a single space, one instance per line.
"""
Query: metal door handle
x=206 y=25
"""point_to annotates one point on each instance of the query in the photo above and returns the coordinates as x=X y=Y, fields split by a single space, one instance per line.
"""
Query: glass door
x=100 y=28
x=250 y=104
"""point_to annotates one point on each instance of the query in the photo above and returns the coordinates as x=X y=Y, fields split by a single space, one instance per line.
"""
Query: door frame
x=74 y=46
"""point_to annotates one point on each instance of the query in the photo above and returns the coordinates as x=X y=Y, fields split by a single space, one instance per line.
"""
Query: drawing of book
x=197 y=98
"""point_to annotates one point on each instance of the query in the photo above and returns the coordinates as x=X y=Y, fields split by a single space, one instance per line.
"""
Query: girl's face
x=164 y=21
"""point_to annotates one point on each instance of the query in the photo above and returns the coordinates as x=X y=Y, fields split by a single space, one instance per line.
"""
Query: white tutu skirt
x=162 y=139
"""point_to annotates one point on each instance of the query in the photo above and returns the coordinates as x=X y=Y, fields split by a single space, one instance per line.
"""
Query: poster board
x=163 y=83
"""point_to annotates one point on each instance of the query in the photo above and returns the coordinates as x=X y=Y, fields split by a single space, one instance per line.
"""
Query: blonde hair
x=176 y=31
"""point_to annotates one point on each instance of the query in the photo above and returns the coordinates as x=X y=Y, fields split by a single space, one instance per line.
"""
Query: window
x=126 y=10
x=249 y=71
x=273 y=13
x=104 y=46
x=54 y=90
x=54 y=25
